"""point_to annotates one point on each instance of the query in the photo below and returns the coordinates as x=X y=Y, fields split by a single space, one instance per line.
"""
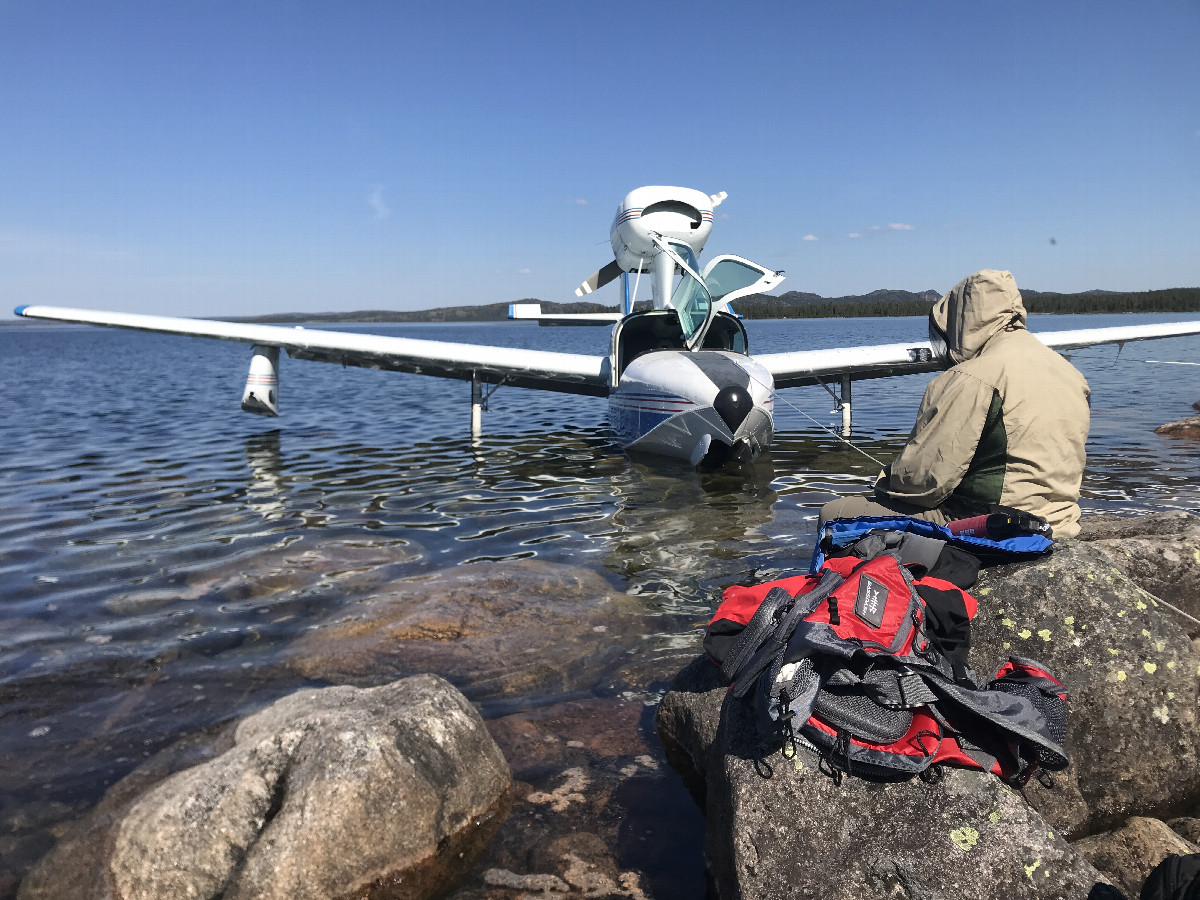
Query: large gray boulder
x=1131 y=672
x=778 y=828
x=342 y=792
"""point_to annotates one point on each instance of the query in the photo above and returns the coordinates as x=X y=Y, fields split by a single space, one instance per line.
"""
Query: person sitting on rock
x=1005 y=425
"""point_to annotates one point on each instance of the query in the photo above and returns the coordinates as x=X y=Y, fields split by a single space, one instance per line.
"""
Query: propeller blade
x=717 y=198
x=599 y=279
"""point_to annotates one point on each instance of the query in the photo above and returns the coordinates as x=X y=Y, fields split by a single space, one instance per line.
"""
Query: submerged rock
x=577 y=864
x=779 y=828
x=597 y=812
x=1131 y=671
x=381 y=792
x=261 y=577
x=494 y=629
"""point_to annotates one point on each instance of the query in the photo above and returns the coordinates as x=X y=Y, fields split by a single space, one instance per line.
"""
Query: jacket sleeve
x=939 y=451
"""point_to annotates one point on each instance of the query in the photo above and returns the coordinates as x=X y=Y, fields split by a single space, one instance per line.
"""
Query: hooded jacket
x=1005 y=425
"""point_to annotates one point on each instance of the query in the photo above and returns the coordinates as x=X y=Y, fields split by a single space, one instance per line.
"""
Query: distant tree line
x=764 y=307
x=1170 y=300
x=902 y=303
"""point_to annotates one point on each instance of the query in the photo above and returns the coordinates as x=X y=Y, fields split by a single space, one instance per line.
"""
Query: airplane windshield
x=691 y=298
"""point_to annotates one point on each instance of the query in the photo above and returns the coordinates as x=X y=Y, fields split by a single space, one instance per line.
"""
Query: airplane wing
x=800 y=367
x=564 y=372
x=573 y=373
x=532 y=312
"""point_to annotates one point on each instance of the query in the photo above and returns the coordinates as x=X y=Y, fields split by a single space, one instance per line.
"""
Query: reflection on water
x=159 y=553
x=674 y=530
x=266 y=491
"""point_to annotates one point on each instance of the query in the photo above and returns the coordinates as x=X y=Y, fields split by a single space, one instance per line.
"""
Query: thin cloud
x=524 y=271
x=579 y=201
x=881 y=229
x=378 y=204
x=809 y=237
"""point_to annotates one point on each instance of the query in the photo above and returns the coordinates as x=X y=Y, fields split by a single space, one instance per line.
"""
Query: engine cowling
x=675 y=213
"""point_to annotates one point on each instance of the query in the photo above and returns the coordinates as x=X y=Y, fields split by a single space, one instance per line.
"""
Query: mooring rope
x=778 y=396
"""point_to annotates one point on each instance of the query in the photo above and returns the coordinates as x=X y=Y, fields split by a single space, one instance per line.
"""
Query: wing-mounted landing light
x=261 y=395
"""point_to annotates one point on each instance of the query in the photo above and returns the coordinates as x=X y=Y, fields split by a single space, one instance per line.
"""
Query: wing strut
x=843 y=402
x=479 y=403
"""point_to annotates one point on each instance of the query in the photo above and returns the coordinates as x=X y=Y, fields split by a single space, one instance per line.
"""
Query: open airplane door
x=696 y=300
x=729 y=277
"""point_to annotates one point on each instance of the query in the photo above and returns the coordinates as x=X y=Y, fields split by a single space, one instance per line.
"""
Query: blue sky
x=236 y=158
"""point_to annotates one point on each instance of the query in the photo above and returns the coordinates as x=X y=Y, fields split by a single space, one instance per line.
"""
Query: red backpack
x=864 y=662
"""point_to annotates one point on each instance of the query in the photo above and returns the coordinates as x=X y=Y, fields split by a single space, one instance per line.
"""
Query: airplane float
x=679 y=376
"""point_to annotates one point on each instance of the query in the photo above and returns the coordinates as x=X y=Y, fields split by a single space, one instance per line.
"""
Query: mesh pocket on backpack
x=1053 y=710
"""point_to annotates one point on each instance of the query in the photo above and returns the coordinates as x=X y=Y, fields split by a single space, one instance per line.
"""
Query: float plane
x=679 y=376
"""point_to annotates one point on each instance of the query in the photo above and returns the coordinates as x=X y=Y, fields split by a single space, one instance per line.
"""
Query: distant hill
x=793 y=305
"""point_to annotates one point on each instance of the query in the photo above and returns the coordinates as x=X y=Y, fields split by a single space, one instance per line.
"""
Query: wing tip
x=20 y=310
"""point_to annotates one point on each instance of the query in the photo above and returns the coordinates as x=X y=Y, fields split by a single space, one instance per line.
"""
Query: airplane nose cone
x=733 y=404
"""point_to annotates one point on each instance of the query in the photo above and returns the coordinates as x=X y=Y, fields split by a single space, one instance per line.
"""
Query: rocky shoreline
x=403 y=790
x=1129 y=798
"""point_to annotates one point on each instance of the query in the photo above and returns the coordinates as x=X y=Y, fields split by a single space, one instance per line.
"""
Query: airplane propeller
x=599 y=279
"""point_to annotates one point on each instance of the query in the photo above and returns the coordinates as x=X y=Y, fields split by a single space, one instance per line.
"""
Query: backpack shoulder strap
x=767 y=634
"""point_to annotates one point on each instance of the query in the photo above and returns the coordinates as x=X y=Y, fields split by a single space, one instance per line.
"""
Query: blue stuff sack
x=838 y=534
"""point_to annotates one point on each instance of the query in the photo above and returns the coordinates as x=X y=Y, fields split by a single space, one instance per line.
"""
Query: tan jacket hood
x=977 y=309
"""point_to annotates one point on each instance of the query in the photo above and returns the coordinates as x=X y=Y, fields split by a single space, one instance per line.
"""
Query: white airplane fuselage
x=700 y=406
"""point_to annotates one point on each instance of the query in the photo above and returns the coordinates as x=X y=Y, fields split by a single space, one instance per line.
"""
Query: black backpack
x=1175 y=878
